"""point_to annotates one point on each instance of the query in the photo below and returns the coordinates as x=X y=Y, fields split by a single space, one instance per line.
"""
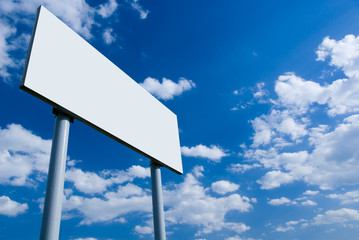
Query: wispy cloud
x=135 y=4
x=108 y=36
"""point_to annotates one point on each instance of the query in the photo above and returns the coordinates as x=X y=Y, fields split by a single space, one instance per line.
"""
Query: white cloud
x=241 y=168
x=310 y=193
x=277 y=123
x=234 y=238
x=260 y=93
x=274 y=179
x=295 y=145
x=223 y=187
x=213 y=153
x=188 y=203
x=89 y=238
x=108 y=36
x=107 y=9
x=335 y=157
x=21 y=154
x=11 y=208
x=121 y=176
x=185 y=203
x=309 y=203
x=90 y=182
x=115 y=204
x=290 y=225
x=143 y=229
x=279 y=201
x=343 y=53
x=284 y=229
x=87 y=182
x=332 y=163
x=346 y=198
x=137 y=6
x=5 y=60
x=298 y=93
x=337 y=216
x=167 y=89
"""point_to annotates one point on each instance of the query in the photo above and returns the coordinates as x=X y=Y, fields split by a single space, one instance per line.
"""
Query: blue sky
x=266 y=94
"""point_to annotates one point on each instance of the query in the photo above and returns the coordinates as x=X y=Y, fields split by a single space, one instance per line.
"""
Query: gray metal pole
x=50 y=226
x=157 y=202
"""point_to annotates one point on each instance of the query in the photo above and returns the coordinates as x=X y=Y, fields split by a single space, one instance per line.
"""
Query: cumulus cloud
x=11 y=208
x=126 y=199
x=87 y=182
x=277 y=124
x=213 y=153
x=22 y=154
x=167 y=89
x=309 y=203
x=223 y=187
x=340 y=96
x=346 y=198
x=90 y=182
x=337 y=216
x=310 y=193
x=279 y=201
x=343 y=54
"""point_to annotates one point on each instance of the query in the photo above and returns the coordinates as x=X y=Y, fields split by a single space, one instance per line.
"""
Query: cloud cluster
x=327 y=156
x=186 y=203
x=90 y=182
x=167 y=89
x=110 y=195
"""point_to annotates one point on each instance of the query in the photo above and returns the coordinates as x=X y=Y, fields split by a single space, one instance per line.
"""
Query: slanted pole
x=51 y=217
x=157 y=202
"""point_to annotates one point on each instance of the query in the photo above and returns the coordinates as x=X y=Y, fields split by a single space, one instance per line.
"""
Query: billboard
x=65 y=71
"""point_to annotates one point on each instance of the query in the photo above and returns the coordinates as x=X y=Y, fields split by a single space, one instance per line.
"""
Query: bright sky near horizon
x=267 y=99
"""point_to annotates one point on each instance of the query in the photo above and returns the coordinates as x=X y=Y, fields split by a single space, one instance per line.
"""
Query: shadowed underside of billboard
x=65 y=71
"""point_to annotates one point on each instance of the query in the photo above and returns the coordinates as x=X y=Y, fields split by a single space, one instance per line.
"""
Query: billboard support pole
x=157 y=202
x=51 y=217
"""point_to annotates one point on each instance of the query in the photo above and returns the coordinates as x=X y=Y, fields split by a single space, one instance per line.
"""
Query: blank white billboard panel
x=65 y=71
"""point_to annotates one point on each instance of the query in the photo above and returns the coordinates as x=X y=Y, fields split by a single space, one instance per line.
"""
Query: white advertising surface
x=65 y=71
